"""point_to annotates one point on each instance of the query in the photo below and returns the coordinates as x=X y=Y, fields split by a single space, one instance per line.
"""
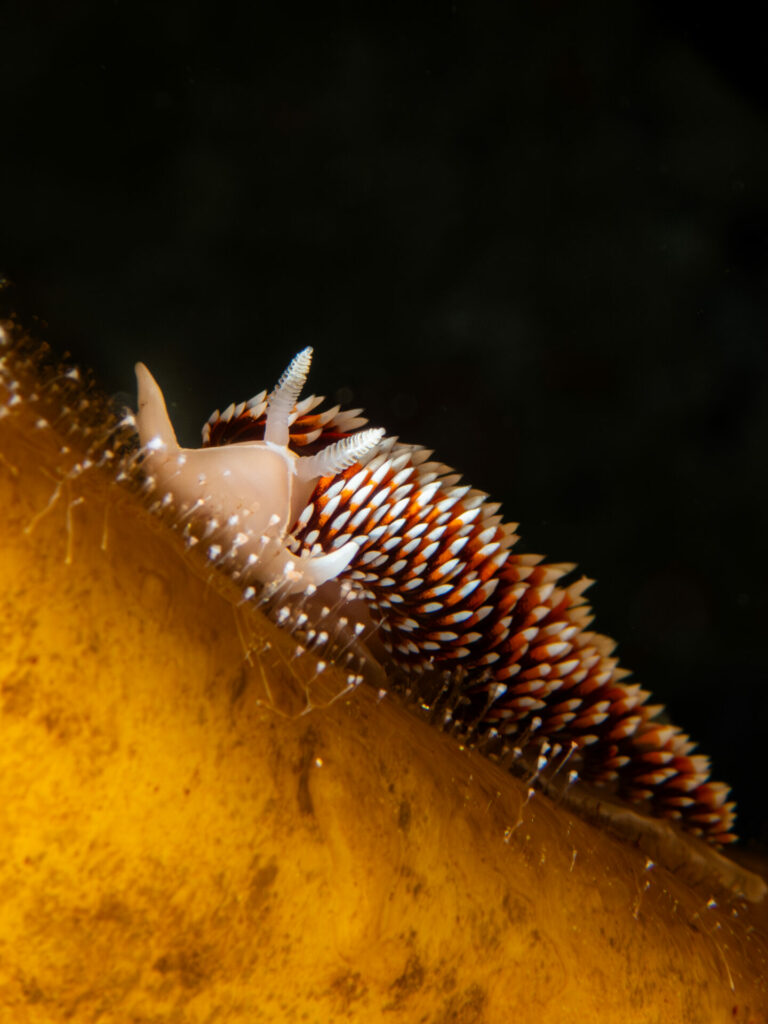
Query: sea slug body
x=305 y=500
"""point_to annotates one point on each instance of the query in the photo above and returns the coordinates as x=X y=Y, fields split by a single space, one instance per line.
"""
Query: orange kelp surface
x=195 y=825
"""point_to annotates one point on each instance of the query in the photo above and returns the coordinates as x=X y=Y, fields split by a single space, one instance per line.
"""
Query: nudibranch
x=296 y=499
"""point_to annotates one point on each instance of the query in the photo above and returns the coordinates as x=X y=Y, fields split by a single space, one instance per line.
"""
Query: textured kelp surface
x=196 y=826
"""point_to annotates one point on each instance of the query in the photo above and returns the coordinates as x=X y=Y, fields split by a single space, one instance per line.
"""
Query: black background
x=532 y=236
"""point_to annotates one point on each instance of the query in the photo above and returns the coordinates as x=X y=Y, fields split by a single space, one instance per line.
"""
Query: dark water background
x=531 y=236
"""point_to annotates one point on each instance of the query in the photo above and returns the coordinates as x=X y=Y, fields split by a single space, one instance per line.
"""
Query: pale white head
x=252 y=491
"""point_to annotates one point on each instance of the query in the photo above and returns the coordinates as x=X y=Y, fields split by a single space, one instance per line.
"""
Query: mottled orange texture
x=194 y=826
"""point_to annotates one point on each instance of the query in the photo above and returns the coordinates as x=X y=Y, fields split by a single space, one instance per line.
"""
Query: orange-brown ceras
x=295 y=500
